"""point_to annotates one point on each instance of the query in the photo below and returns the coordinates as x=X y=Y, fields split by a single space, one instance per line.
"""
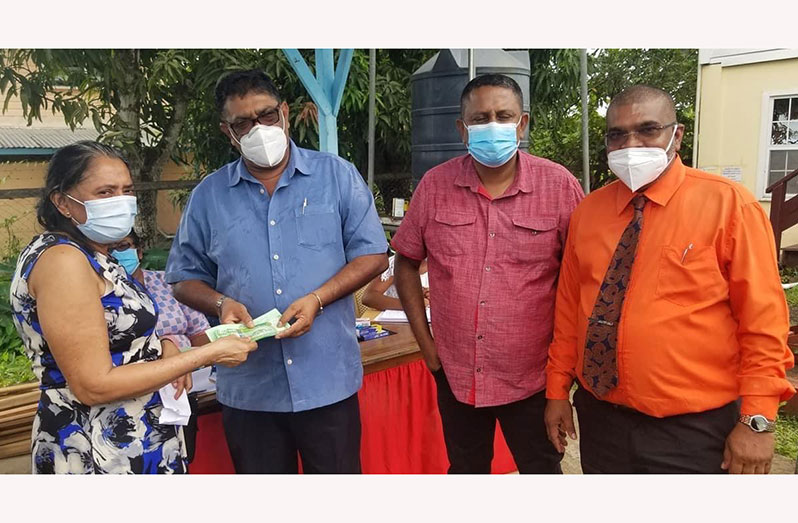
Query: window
x=782 y=147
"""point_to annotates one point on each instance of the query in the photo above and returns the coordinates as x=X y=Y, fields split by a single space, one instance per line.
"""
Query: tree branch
x=166 y=146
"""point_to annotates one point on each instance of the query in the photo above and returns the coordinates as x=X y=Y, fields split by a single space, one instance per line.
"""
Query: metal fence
x=18 y=222
x=388 y=186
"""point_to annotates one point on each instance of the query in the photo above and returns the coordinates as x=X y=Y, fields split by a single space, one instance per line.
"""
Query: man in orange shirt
x=669 y=312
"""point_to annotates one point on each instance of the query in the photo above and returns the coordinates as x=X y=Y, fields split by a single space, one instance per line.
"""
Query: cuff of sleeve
x=558 y=386
x=178 y=276
x=399 y=248
x=767 y=406
x=365 y=250
x=174 y=339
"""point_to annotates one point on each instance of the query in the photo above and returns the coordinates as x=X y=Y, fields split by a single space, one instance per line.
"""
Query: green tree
x=137 y=99
x=556 y=130
x=158 y=105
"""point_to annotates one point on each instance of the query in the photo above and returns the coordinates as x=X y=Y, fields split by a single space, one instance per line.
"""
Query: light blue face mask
x=108 y=220
x=493 y=144
x=129 y=259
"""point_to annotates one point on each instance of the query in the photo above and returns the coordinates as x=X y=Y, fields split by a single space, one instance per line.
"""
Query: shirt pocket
x=686 y=280
x=452 y=231
x=317 y=226
x=532 y=239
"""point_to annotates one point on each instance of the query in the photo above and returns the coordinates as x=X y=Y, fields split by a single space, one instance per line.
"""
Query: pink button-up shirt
x=493 y=266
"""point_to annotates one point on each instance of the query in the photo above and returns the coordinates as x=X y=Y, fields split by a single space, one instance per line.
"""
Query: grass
x=14 y=369
x=787 y=436
x=792 y=296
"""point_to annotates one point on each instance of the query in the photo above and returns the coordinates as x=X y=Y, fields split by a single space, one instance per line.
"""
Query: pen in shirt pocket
x=684 y=254
x=304 y=204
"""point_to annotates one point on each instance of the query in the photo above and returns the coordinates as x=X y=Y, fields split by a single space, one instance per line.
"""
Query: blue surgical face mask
x=108 y=220
x=129 y=259
x=493 y=144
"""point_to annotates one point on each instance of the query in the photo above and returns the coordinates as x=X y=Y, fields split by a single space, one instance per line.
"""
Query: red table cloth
x=402 y=431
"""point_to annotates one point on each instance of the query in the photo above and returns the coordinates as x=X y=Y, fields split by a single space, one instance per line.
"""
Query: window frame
x=763 y=165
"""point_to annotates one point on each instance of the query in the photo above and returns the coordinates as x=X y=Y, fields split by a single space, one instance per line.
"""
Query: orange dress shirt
x=704 y=320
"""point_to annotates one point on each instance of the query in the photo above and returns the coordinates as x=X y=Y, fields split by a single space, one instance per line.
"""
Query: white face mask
x=108 y=220
x=264 y=145
x=639 y=166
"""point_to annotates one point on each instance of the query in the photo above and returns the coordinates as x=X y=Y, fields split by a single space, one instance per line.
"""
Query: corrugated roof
x=32 y=138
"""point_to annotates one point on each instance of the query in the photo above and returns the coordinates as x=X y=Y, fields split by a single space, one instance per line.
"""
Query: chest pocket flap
x=535 y=224
x=454 y=218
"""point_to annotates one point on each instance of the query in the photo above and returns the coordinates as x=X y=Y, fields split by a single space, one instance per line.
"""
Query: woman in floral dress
x=89 y=329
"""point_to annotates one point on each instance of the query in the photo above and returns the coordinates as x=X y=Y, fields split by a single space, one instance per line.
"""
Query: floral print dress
x=122 y=437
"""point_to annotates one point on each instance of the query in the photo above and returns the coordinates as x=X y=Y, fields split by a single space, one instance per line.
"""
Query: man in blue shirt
x=293 y=229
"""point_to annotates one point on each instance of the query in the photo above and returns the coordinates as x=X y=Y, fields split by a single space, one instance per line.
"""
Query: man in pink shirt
x=492 y=225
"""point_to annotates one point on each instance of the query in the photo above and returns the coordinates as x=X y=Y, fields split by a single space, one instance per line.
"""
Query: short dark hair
x=65 y=171
x=642 y=93
x=134 y=238
x=241 y=83
x=492 y=80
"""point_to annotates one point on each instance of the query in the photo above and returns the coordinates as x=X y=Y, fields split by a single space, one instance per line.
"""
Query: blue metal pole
x=341 y=74
x=328 y=124
x=326 y=89
x=308 y=80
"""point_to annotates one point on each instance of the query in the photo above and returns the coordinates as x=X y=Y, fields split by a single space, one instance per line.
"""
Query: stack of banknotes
x=265 y=326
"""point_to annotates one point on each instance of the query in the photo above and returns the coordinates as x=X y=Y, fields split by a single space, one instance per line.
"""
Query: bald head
x=644 y=94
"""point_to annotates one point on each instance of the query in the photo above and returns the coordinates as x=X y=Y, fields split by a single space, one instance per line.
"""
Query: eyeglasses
x=267 y=117
x=647 y=132
x=124 y=245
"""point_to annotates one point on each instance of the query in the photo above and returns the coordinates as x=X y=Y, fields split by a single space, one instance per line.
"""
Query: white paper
x=202 y=381
x=394 y=316
x=175 y=411
x=425 y=280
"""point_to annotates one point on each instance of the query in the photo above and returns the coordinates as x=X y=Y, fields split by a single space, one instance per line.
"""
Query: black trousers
x=469 y=433
x=327 y=439
x=190 y=430
x=619 y=440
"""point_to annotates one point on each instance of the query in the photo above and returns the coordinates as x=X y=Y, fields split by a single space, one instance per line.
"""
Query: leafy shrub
x=15 y=366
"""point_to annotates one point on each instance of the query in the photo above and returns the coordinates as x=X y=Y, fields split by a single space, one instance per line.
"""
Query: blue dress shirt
x=266 y=252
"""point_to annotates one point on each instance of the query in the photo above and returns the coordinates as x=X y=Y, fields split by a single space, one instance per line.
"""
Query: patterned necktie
x=600 y=369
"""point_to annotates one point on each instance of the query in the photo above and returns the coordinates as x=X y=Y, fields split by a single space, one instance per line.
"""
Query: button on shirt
x=267 y=251
x=492 y=272
x=704 y=319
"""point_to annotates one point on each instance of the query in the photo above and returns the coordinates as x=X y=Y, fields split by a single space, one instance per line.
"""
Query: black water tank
x=435 y=92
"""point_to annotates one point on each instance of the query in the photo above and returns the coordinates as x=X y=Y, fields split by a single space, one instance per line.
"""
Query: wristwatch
x=757 y=422
x=219 y=305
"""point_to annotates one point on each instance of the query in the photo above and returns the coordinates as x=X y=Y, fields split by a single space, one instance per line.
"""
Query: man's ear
x=285 y=110
x=461 y=128
x=677 y=139
x=523 y=128
x=225 y=128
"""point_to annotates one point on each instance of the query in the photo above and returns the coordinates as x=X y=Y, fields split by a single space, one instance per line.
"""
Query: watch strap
x=746 y=419
x=219 y=305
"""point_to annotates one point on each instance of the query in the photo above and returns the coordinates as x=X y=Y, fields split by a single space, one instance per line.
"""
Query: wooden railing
x=783 y=212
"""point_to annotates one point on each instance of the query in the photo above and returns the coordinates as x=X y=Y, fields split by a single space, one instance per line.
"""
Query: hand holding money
x=303 y=311
x=231 y=351
x=234 y=312
x=264 y=326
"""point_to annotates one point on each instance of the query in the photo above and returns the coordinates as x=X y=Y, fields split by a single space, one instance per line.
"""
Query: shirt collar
x=468 y=177
x=297 y=163
x=660 y=192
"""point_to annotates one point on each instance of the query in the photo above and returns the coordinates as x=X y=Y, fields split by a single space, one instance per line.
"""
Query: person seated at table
x=89 y=329
x=177 y=322
x=380 y=293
